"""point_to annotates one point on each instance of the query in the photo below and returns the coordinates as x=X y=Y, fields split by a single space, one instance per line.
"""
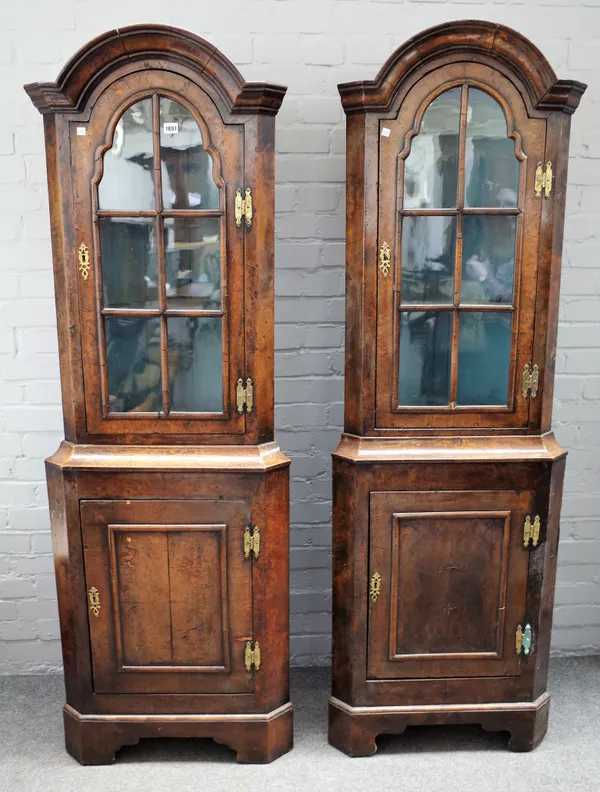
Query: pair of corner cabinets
x=169 y=496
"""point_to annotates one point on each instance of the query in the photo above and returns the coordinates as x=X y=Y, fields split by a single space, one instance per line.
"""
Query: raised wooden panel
x=453 y=583
x=175 y=592
x=170 y=595
x=448 y=585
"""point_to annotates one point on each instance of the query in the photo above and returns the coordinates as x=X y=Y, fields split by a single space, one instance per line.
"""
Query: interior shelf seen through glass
x=458 y=242
x=160 y=234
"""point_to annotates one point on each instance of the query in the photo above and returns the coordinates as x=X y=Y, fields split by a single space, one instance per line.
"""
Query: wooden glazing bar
x=136 y=312
x=490 y=307
x=406 y=308
x=156 y=151
x=459 y=244
x=492 y=210
x=428 y=212
x=164 y=365
x=124 y=214
x=194 y=312
x=192 y=213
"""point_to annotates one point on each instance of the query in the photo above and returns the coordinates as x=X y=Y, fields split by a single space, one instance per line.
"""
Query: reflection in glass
x=488 y=258
x=431 y=168
x=127 y=182
x=424 y=370
x=428 y=247
x=187 y=169
x=129 y=262
x=195 y=364
x=484 y=342
x=133 y=361
x=193 y=261
x=491 y=168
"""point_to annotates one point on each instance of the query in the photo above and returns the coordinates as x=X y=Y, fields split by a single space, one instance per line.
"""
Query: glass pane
x=127 y=182
x=196 y=364
x=431 y=168
x=193 y=258
x=484 y=342
x=129 y=262
x=133 y=359
x=491 y=168
x=428 y=249
x=488 y=258
x=187 y=169
x=425 y=346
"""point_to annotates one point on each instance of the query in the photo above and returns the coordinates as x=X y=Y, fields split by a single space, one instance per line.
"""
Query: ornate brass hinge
x=83 y=261
x=385 y=259
x=523 y=640
x=543 y=180
x=531 y=531
x=244 y=396
x=531 y=380
x=94 y=600
x=252 y=655
x=243 y=207
x=251 y=542
x=375 y=587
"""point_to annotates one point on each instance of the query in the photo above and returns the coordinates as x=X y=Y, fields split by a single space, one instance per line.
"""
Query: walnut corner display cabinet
x=448 y=479
x=168 y=497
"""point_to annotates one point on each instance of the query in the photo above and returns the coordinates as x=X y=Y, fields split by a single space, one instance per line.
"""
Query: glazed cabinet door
x=169 y=595
x=160 y=244
x=448 y=583
x=458 y=240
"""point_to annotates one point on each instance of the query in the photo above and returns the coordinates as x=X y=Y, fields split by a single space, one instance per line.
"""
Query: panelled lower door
x=174 y=595
x=448 y=574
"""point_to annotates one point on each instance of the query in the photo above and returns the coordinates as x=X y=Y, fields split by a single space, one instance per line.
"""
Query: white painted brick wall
x=310 y=45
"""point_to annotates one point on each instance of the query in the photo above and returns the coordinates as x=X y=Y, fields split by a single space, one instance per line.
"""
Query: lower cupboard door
x=169 y=595
x=448 y=583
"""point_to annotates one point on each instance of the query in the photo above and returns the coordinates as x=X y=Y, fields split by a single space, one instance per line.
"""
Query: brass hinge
x=252 y=655
x=94 y=600
x=531 y=380
x=251 y=542
x=543 y=180
x=243 y=207
x=531 y=531
x=375 y=587
x=523 y=640
x=244 y=396
x=83 y=261
x=385 y=259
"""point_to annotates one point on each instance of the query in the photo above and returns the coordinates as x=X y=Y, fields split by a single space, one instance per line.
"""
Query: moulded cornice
x=91 y=64
x=189 y=459
x=480 y=41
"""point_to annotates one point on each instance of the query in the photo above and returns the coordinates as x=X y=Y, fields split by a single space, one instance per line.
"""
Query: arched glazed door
x=458 y=253
x=161 y=259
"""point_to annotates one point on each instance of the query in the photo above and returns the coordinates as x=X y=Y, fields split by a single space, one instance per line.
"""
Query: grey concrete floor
x=444 y=759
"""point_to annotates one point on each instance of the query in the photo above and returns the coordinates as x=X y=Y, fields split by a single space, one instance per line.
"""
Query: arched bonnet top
x=480 y=42
x=93 y=62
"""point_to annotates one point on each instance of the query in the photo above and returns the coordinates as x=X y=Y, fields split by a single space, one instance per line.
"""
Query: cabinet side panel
x=259 y=172
x=548 y=291
x=58 y=164
x=348 y=645
x=361 y=236
x=70 y=584
x=542 y=574
x=270 y=589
